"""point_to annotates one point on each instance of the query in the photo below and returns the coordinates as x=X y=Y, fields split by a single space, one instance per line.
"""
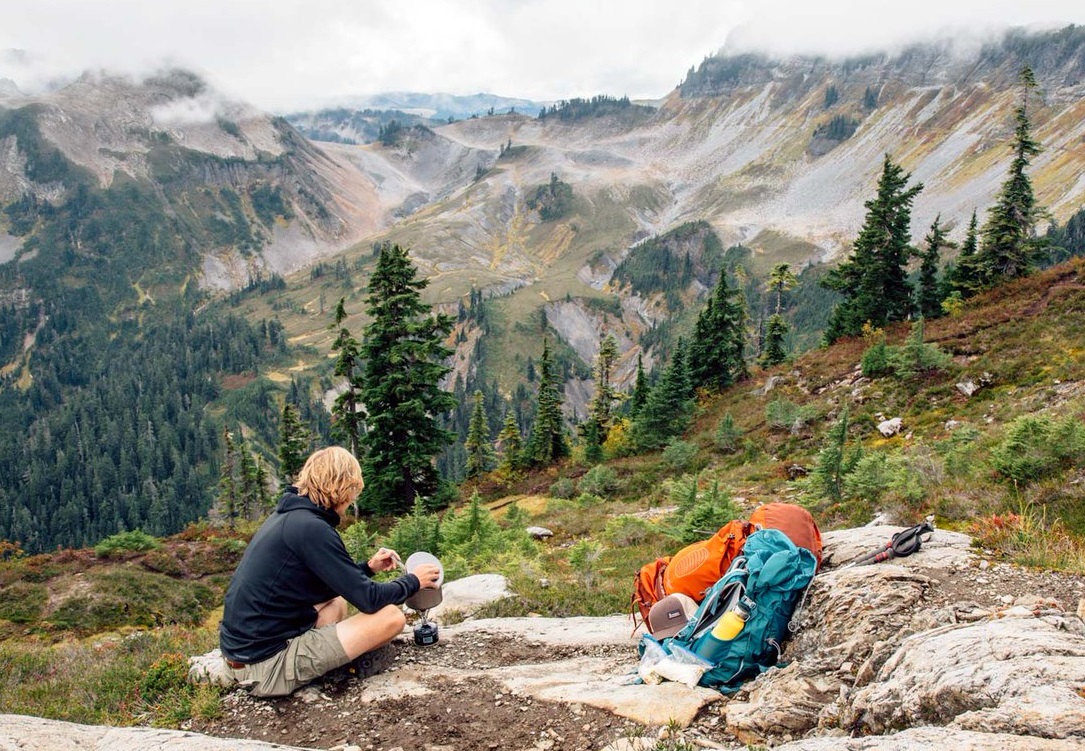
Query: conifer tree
x=479 y=450
x=834 y=461
x=669 y=406
x=294 y=440
x=249 y=498
x=640 y=389
x=874 y=280
x=966 y=276
x=594 y=430
x=547 y=442
x=716 y=354
x=510 y=443
x=405 y=360
x=1009 y=246
x=228 y=496
x=930 y=292
x=348 y=415
x=776 y=329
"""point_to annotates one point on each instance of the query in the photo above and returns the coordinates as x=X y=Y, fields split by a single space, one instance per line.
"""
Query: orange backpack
x=794 y=521
x=696 y=567
x=648 y=589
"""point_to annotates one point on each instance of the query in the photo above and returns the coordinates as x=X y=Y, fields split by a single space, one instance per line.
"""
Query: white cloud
x=286 y=54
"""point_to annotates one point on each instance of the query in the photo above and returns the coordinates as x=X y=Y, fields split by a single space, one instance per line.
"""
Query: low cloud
x=205 y=107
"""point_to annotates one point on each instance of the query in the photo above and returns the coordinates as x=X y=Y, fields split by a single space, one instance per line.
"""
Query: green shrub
x=784 y=415
x=600 y=480
x=587 y=500
x=727 y=435
x=133 y=597
x=958 y=452
x=22 y=602
x=359 y=541
x=678 y=454
x=707 y=516
x=563 y=487
x=624 y=531
x=168 y=672
x=869 y=479
x=584 y=557
x=135 y=541
x=915 y=358
x=1037 y=446
x=419 y=530
x=910 y=359
x=875 y=361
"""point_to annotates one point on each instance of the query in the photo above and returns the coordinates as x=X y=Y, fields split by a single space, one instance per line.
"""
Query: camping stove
x=425 y=633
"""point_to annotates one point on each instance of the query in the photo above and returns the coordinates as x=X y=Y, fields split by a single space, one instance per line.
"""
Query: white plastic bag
x=651 y=655
x=681 y=666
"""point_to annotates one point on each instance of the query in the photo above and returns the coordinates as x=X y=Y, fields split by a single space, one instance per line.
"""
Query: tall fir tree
x=294 y=440
x=480 y=451
x=347 y=414
x=594 y=430
x=1009 y=246
x=930 y=292
x=405 y=360
x=547 y=443
x=641 y=388
x=874 y=279
x=965 y=277
x=669 y=406
x=716 y=353
x=776 y=329
x=228 y=491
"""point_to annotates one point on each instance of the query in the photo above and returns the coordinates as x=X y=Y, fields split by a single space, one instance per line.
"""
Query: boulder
x=1019 y=675
x=890 y=427
x=944 y=549
x=465 y=596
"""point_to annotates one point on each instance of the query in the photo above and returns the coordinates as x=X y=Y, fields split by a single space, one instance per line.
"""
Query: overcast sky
x=292 y=54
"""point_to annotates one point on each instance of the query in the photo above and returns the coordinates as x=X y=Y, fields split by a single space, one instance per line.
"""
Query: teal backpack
x=768 y=581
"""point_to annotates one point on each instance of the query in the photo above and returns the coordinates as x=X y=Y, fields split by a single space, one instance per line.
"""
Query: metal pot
x=424 y=599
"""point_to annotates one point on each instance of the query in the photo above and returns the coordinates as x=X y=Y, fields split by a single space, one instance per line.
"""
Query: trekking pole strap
x=903 y=544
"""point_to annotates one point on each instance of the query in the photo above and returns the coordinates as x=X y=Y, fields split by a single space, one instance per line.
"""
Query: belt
x=234 y=665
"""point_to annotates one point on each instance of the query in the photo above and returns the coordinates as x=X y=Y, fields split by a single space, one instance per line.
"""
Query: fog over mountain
x=289 y=55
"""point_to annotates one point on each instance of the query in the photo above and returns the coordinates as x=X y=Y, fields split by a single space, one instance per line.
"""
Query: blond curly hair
x=330 y=477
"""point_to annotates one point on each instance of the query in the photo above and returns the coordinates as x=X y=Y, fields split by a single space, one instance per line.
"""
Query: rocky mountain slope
x=778 y=155
x=245 y=189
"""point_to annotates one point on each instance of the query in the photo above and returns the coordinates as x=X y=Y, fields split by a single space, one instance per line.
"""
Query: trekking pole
x=903 y=544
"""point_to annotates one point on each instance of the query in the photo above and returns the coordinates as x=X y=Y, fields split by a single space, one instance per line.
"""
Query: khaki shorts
x=306 y=658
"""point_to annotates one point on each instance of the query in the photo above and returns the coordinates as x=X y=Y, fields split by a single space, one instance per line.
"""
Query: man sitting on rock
x=285 y=622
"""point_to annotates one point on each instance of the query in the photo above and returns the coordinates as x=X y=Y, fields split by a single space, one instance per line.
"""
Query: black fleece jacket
x=295 y=561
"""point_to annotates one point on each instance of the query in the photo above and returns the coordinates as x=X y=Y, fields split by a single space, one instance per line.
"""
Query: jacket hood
x=291 y=501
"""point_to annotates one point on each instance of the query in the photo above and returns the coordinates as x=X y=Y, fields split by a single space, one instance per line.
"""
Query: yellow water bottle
x=730 y=623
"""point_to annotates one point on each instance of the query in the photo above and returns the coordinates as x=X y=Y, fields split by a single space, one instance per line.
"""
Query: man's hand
x=384 y=560
x=428 y=574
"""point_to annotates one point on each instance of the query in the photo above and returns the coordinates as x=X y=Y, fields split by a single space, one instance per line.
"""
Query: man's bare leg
x=364 y=632
x=330 y=611
x=361 y=632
